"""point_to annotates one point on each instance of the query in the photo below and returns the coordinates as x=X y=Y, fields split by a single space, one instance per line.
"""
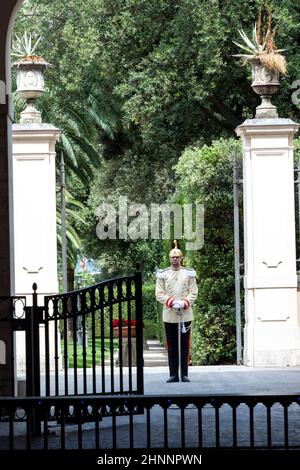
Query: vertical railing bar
x=79 y=427
x=128 y=285
x=11 y=428
x=45 y=421
x=120 y=345
x=120 y=336
x=102 y=333
x=35 y=355
x=12 y=340
x=29 y=421
x=66 y=346
x=94 y=349
x=79 y=433
x=130 y=427
x=269 y=426
x=56 y=357
x=234 y=429
x=63 y=411
x=148 y=415
x=182 y=413
x=96 y=414
x=251 y=423
x=84 y=354
x=36 y=347
x=200 y=431
x=29 y=357
x=139 y=330
x=76 y=299
x=47 y=349
x=165 y=428
x=217 y=425
x=286 y=426
x=84 y=371
x=114 y=430
x=112 y=374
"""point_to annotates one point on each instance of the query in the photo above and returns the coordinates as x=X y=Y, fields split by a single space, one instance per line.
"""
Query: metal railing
x=203 y=422
x=56 y=364
x=94 y=309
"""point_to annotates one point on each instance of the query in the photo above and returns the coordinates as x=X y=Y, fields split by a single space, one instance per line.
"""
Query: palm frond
x=88 y=149
x=75 y=214
x=71 y=200
x=104 y=125
x=104 y=114
x=70 y=233
x=68 y=148
x=83 y=174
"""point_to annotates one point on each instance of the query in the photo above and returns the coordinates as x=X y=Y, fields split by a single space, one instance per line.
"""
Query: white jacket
x=176 y=285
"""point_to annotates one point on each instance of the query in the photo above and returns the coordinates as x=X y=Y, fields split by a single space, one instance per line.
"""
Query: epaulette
x=160 y=273
x=190 y=272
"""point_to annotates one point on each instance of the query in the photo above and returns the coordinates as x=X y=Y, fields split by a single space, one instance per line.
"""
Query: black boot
x=172 y=379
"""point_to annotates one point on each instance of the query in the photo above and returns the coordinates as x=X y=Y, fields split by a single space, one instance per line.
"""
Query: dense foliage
x=150 y=85
x=211 y=184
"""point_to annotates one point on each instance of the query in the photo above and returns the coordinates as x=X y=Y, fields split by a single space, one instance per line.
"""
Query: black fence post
x=139 y=330
x=33 y=358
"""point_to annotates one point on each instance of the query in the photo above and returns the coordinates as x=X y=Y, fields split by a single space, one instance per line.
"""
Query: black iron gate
x=84 y=342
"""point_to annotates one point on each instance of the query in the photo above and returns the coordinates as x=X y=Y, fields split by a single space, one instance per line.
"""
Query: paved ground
x=205 y=380
x=197 y=426
x=226 y=379
x=209 y=380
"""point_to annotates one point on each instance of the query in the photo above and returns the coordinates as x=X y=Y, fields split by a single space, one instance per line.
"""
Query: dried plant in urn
x=267 y=63
x=30 y=74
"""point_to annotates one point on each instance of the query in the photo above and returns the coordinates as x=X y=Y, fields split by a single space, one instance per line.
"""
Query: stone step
x=157 y=349
x=154 y=344
x=158 y=363
x=155 y=355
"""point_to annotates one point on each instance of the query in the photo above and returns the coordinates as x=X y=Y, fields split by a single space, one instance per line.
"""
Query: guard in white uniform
x=176 y=288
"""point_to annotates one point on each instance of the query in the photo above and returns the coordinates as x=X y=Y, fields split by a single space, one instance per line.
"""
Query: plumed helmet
x=175 y=251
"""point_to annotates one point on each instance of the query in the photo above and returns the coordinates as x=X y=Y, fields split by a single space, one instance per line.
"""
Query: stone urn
x=265 y=82
x=30 y=85
x=125 y=332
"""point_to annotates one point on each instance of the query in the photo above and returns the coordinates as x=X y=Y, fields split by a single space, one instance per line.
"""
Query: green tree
x=165 y=70
x=206 y=177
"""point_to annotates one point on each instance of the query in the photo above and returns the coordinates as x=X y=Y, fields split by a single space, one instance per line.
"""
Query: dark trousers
x=172 y=346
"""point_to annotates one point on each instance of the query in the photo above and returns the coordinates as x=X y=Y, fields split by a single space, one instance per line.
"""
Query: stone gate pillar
x=34 y=205
x=272 y=330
